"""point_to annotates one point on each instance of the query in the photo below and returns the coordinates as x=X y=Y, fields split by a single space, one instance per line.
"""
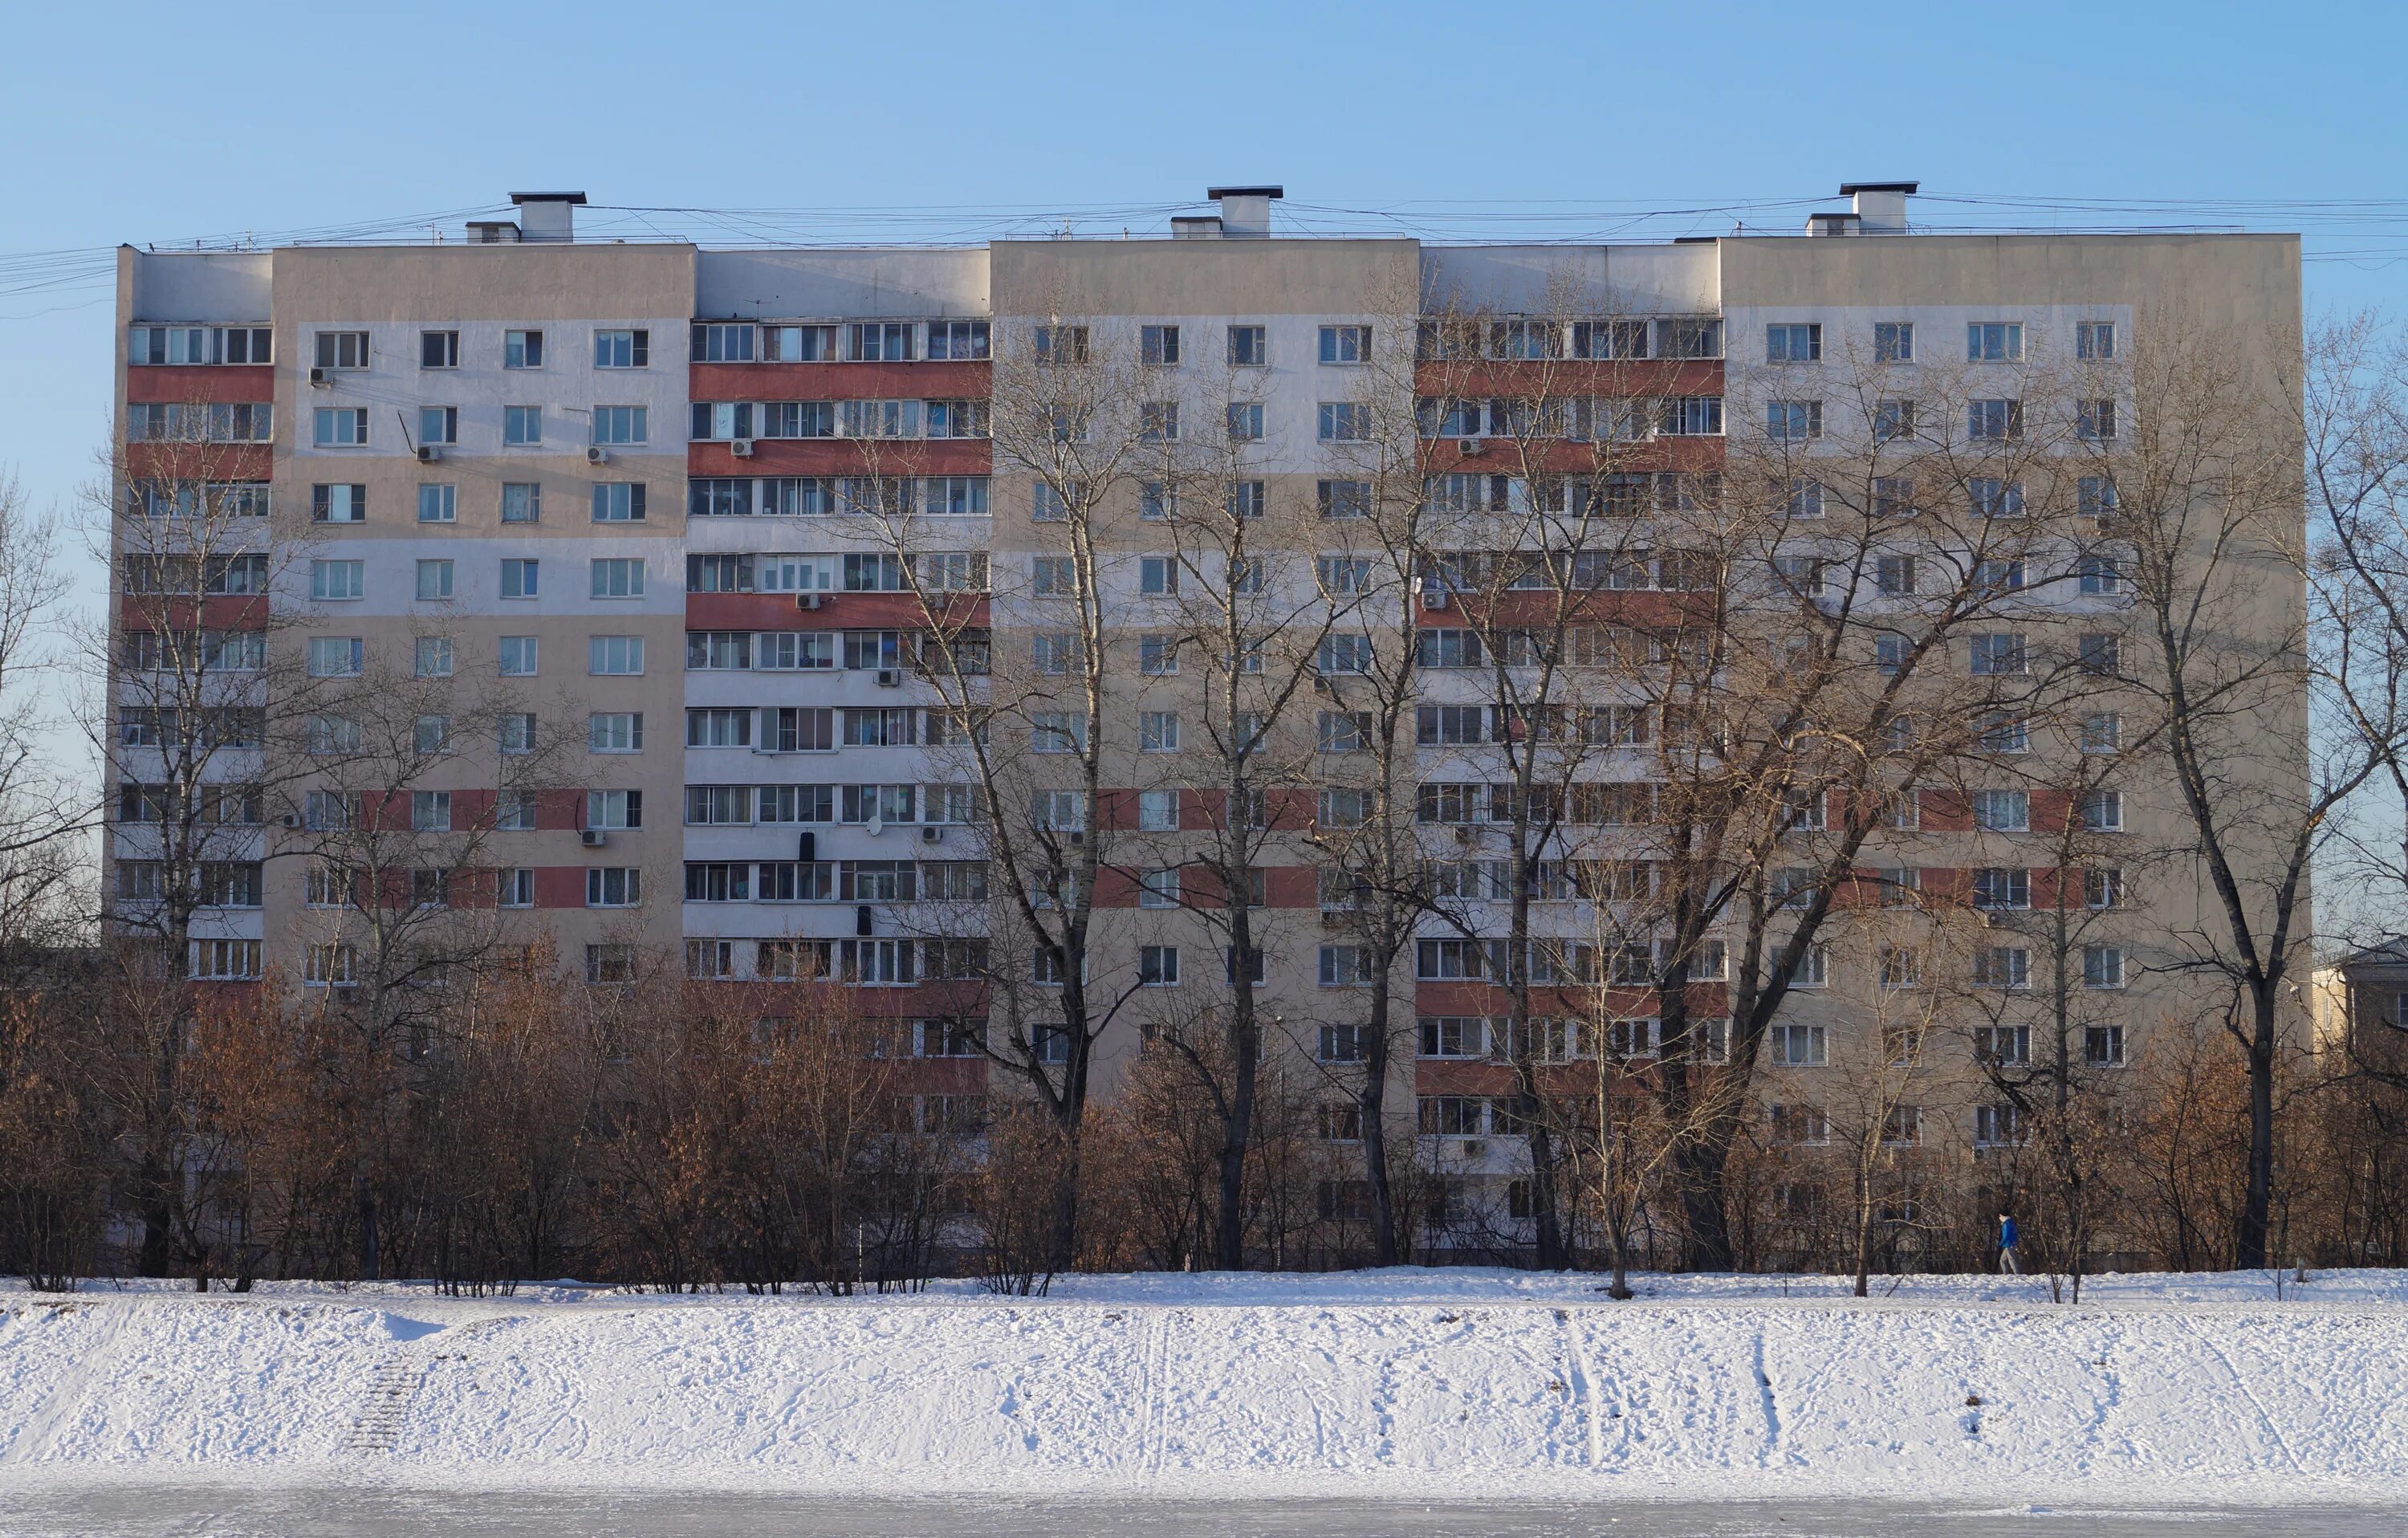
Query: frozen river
x=192 y=1512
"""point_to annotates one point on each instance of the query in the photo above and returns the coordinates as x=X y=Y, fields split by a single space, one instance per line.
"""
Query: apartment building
x=659 y=526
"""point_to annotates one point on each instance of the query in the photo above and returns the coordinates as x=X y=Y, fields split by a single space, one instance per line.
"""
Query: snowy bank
x=1400 y=1384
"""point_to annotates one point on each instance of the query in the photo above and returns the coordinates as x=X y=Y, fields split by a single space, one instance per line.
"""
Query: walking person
x=2008 y=1263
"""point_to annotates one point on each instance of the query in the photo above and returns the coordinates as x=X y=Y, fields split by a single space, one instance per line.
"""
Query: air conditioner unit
x=741 y=448
x=592 y=838
x=344 y=993
x=1075 y=836
x=319 y=380
x=1463 y=832
x=1434 y=596
x=890 y=678
x=807 y=601
x=862 y=924
x=806 y=847
x=597 y=455
x=1473 y=1148
x=289 y=820
x=932 y=835
x=428 y=453
x=1471 y=448
x=1334 y=918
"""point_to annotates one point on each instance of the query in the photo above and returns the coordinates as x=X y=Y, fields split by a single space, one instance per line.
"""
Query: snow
x=1404 y=1384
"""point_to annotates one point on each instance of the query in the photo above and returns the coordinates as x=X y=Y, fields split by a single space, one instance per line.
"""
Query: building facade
x=603 y=578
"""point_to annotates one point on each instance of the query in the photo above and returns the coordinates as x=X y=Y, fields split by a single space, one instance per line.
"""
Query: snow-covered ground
x=1400 y=1384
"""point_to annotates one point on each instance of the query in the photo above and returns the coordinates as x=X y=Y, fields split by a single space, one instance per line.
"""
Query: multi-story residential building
x=604 y=578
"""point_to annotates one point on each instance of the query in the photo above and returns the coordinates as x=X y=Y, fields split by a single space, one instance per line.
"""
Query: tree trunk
x=1373 y=1104
x=2250 y=1250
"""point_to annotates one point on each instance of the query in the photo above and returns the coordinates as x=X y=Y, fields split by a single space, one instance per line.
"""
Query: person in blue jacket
x=2007 y=1261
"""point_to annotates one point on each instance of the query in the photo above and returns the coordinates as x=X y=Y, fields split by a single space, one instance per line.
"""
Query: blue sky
x=135 y=122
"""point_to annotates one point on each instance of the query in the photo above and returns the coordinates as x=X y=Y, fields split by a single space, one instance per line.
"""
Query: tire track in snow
x=99 y=1364
x=1771 y=1407
x=1582 y=1372
x=2246 y=1392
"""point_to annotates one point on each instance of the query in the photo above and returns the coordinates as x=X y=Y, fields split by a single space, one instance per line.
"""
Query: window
x=1994 y=341
x=1056 y=653
x=1344 y=422
x=1159 y=346
x=2102 y=1046
x=1247 y=347
x=1343 y=653
x=614 y=655
x=1700 y=337
x=1245 y=499
x=2002 y=966
x=340 y=504
x=618 y=578
x=1992 y=497
x=520 y=578
x=1893 y=497
x=1157 y=966
x=1609 y=340
x=614 y=809
x=881 y=341
x=1893 y=341
x=1343 y=499
x=1157 y=655
x=2102 y=966
x=1058 y=731
x=431 y=657
x=732 y=343
x=522 y=502
x=521 y=425
x=2102 y=654
x=340 y=426
x=1052 y=504
x=1158 y=811
x=1245 y=421
x=2004 y=731
x=516 y=733
x=2094 y=341
x=1691 y=416
x=1158 y=888
x=614 y=886
x=1340 y=807
x=1793 y=421
x=2094 y=421
x=1339 y=575
x=1157 y=731
x=343 y=350
x=431 y=734
x=338 y=580
x=1994 y=420
x=1793 y=343
x=2102 y=732
x=430 y=811
x=335 y=655
x=621 y=424
x=1997 y=1125
x=438 y=424
x=523 y=350
x=437 y=504
x=1061 y=346
x=1998 y=655
x=1998 y=888
x=199 y=344
x=1893 y=420
x=1994 y=577
x=1894 y=576
x=1798 y=1046
x=616 y=731
x=2096 y=496
x=434 y=580
x=622 y=349
x=1158 y=576
x=2103 y=811
x=2103 y=886
x=619 y=502
x=1342 y=344
x=330 y=734
x=1346 y=966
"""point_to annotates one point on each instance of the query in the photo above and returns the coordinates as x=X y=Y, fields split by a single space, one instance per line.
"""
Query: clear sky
x=139 y=122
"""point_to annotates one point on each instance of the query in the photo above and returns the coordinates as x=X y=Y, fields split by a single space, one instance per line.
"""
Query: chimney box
x=1245 y=211
x=548 y=216
x=1881 y=206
